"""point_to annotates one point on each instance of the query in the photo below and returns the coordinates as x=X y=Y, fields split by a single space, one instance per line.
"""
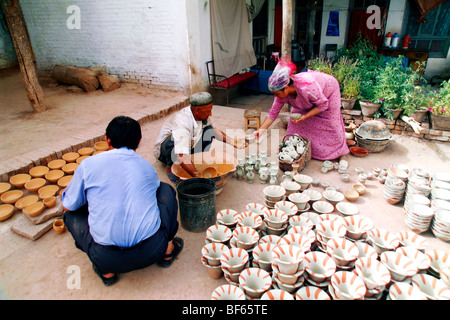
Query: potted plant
x=350 y=91
x=440 y=111
x=321 y=64
x=418 y=102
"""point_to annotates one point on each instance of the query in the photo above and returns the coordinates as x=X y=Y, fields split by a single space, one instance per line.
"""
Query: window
x=432 y=35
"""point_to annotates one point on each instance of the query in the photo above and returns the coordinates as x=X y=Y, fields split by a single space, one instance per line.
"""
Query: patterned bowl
x=262 y=255
x=348 y=286
x=228 y=292
x=288 y=258
x=433 y=288
x=249 y=219
x=311 y=293
x=255 y=282
x=372 y=272
x=246 y=237
x=399 y=265
x=405 y=291
x=227 y=217
x=319 y=266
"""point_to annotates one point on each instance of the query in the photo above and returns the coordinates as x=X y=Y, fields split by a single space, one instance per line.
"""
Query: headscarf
x=281 y=74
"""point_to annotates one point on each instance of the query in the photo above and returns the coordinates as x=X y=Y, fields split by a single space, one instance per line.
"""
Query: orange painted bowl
x=54 y=175
x=88 y=151
x=39 y=171
x=24 y=202
x=249 y=219
x=311 y=293
x=19 y=180
x=56 y=164
x=372 y=272
x=70 y=156
x=64 y=181
x=35 y=209
x=399 y=265
x=218 y=233
x=6 y=211
x=348 y=286
x=246 y=237
x=11 y=197
x=227 y=217
x=213 y=251
x=359 y=151
x=35 y=184
x=319 y=266
x=228 y=292
x=234 y=260
x=255 y=282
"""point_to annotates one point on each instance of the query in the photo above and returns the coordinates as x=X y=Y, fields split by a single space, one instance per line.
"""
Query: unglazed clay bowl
x=35 y=184
x=4 y=186
x=10 y=197
x=38 y=172
x=24 y=202
x=47 y=191
x=19 y=180
x=70 y=168
x=54 y=175
x=70 y=156
x=56 y=164
x=64 y=181
x=59 y=226
x=35 y=209
x=361 y=189
x=6 y=211
x=87 y=151
x=101 y=146
x=351 y=195
x=49 y=202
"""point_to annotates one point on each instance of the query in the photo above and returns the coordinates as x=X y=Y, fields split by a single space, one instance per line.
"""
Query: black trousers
x=167 y=155
x=112 y=259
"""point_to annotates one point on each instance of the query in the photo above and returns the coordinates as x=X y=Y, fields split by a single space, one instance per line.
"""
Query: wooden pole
x=24 y=51
x=286 y=37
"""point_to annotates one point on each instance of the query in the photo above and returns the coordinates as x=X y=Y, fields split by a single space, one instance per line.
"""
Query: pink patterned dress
x=325 y=130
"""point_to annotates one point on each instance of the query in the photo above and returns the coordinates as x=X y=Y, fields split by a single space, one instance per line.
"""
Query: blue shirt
x=119 y=187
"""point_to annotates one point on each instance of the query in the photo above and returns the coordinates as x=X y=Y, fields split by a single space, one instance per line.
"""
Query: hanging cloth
x=333 y=24
x=426 y=6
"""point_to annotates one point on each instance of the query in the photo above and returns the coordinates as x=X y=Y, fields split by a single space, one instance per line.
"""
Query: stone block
x=48 y=213
x=24 y=227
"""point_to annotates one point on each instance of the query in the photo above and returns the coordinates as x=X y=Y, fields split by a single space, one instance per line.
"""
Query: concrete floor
x=41 y=269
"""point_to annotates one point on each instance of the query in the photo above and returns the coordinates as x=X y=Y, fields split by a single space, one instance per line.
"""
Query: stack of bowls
x=287 y=267
x=438 y=204
x=357 y=227
x=440 y=194
x=288 y=207
x=327 y=229
x=319 y=267
x=211 y=254
x=249 y=219
x=440 y=225
x=418 y=217
x=275 y=222
x=394 y=190
x=290 y=187
x=346 y=285
x=303 y=180
x=273 y=194
x=218 y=233
x=374 y=274
x=227 y=217
x=301 y=200
x=262 y=255
x=382 y=240
x=400 y=266
x=398 y=171
x=244 y=238
x=255 y=282
x=232 y=262
x=418 y=185
x=343 y=252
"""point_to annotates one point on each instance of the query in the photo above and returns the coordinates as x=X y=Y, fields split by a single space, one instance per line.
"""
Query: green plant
x=351 y=85
x=441 y=100
x=343 y=68
x=421 y=98
x=321 y=64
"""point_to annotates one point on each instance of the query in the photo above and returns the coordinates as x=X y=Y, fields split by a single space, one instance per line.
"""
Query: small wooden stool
x=252 y=118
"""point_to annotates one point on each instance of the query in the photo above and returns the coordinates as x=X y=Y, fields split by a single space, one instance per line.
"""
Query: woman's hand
x=258 y=133
x=297 y=121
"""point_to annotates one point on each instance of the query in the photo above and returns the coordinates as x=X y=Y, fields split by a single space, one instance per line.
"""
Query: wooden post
x=24 y=51
x=286 y=37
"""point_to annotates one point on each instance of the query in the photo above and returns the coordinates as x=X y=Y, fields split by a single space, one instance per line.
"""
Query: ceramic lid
x=373 y=130
x=201 y=99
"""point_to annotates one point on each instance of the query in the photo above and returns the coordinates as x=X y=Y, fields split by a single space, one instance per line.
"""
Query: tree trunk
x=286 y=38
x=24 y=51
x=85 y=78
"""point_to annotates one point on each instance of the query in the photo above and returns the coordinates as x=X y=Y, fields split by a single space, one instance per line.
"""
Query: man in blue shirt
x=118 y=211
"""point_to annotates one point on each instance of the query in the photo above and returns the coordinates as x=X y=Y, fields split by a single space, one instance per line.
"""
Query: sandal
x=178 y=246
x=106 y=281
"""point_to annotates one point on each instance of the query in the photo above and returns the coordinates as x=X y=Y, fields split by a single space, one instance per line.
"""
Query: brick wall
x=399 y=126
x=141 y=41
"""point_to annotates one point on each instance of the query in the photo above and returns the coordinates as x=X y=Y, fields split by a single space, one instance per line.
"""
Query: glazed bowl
x=254 y=282
x=382 y=240
x=214 y=272
x=262 y=255
x=228 y=292
x=330 y=216
x=357 y=226
x=347 y=209
x=303 y=180
x=277 y=294
x=290 y=279
x=38 y=171
x=11 y=197
x=372 y=272
x=286 y=206
x=6 y=211
x=299 y=199
x=288 y=258
x=290 y=186
x=333 y=197
x=275 y=218
x=49 y=202
x=35 y=184
x=322 y=207
x=19 y=180
x=59 y=226
x=24 y=202
x=274 y=193
x=319 y=266
x=290 y=288
x=54 y=175
x=412 y=239
x=439 y=260
x=34 y=209
x=366 y=250
x=305 y=231
x=86 y=151
x=56 y=164
x=213 y=251
x=301 y=221
x=269 y=239
x=348 y=286
x=298 y=240
x=227 y=217
x=249 y=219
x=246 y=237
x=256 y=208
x=361 y=189
x=433 y=288
x=445 y=275
x=422 y=260
x=325 y=230
x=209 y=172
x=399 y=265
x=314 y=195
x=311 y=293
x=70 y=156
x=234 y=259
x=342 y=251
x=405 y=291
x=218 y=233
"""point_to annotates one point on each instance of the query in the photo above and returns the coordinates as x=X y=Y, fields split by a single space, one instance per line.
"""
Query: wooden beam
x=24 y=51
x=286 y=37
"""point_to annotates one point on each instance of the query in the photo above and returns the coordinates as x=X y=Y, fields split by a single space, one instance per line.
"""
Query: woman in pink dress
x=317 y=97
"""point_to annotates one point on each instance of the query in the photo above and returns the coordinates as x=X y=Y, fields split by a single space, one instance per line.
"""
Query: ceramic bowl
x=70 y=156
x=433 y=288
x=383 y=240
x=87 y=151
x=47 y=191
x=213 y=251
x=269 y=239
x=19 y=180
x=299 y=199
x=256 y=208
x=329 y=229
x=287 y=258
x=314 y=195
x=413 y=240
x=70 y=168
x=275 y=218
x=227 y=217
x=64 y=181
x=59 y=226
x=255 y=282
x=262 y=254
x=289 y=279
x=277 y=294
x=6 y=211
x=313 y=216
x=35 y=209
x=422 y=260
x=80 y=159
x=274 y=231
x=311 y=293
x=298 y=240
x=445 y=275
x=345 y=177
x=249 y=219
x=11 y=197
x=405 y=291
x=357 y=226
x=322 y=207
x=4 y=186
x=342 y=251
x=49 y=202
x=245 y=237
x=301 y=221
x=333 y=197
x=286 y=206
x=439 y=260
x=399 y=265
x=305 y=231
x=304 y=180
x=319 y=266
x=218 y=233
x=35 y=184
x=366 y=250
x=290 y=186
x=214 y=272
x=54 y=175
x=274 y=193
x=330 y=216
x=348 y=286
x=38 y=171
x=24 y=202
x=361 y=189
x=234 y=259
x=228 y=292
x=398 y=173
x=101 y=146
x=347 y=209
x=372 y=272
x=351 y=195
x=290 y=288
x=56 y=164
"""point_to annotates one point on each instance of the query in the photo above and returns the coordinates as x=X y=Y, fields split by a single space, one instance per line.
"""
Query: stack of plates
x=440 y=226
x=418 y=217
x=394 y=189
